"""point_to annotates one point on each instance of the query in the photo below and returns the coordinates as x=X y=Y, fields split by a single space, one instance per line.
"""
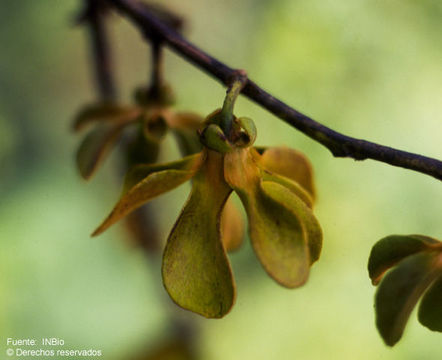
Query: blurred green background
x=370 y=69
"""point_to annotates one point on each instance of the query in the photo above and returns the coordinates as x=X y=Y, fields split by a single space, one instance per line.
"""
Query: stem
x=340 y=145
x=157 y=68
x=95 y=17
x=232 y=93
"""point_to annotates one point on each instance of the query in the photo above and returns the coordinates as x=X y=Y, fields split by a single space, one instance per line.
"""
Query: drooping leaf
x=105 y=112
x=399 y=292
x=277 y=234
x=232 y=227
x=392 y=249
x=303 y=212
x=430 y=308
x=290 y=163
x=95 y=146
x=139 y=172
x=156 y=183
x=196 y=271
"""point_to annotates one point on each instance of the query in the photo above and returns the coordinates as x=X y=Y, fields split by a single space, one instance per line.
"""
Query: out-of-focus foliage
x=367 y=68
x=417 y=270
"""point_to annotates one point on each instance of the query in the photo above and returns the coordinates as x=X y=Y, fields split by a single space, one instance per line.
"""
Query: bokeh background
x=370 y=69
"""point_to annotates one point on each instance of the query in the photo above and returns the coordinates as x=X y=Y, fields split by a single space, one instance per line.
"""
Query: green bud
x=244 y=132
x=213 y=137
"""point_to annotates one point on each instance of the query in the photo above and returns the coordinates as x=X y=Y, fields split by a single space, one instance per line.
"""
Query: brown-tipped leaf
x=291 y=164
x=196 y=271
x=95 y=147
x=399 y=292
x=139 y=172
x=277 y=234
x=392 y=249
x=155 y=184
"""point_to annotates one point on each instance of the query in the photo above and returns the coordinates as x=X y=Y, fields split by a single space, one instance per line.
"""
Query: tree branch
x=340 y=145
x=94 y=16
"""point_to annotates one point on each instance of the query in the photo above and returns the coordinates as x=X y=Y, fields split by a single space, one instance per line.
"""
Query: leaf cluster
x=407 y=268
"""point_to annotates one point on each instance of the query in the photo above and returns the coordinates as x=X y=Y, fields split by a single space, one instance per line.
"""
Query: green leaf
x=293 y=186
x=196 y=271
x=213 y=137
x=244 y=132
x=430 y=308
x=156 y=183
x=291 y=164
x=139 y=172
x=303 y=212
x=105 y=112
x=276 y=231
x=399 y=292
x=95 y=147
x=392 y=249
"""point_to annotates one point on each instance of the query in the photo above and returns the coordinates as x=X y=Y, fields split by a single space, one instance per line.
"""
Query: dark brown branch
x=94 y=16
x=340 y=145
x=156 y=81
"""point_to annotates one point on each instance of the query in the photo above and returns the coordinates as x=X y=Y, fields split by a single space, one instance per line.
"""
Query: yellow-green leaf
x=139 y=172
x=311 y=225
x=293 y=186
x=95 y=146
x=156 y=183
x=196 y=271
x=291 y=164
x=399 y=292
x=278 y=236
x=105 y=112
x=232 y=227
x=390 y=250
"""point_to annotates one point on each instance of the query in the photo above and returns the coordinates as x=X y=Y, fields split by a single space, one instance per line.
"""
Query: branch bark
x=340 y=145
x=93 y=16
